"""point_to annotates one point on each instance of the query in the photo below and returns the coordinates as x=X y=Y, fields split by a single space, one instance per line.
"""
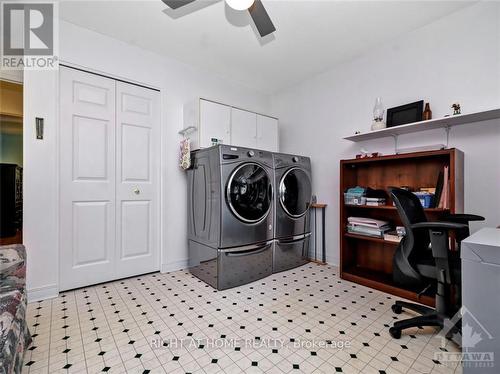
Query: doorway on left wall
x=11 y=162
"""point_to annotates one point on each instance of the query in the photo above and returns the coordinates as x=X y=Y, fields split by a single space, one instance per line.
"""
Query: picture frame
x=404 y=114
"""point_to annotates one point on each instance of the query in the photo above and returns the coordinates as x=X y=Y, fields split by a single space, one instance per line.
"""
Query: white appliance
x=480 y=255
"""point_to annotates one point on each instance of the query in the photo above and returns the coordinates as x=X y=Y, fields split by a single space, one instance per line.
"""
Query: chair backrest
x=409 y=207
x=415 y=243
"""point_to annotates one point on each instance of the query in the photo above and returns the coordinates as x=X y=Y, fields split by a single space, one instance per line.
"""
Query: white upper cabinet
x=243 y=128
x=267 y=133
x=215 y=120
x=215 y=123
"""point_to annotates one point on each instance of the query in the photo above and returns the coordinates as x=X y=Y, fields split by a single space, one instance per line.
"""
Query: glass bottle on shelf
x=378 y=115
x=427 y=115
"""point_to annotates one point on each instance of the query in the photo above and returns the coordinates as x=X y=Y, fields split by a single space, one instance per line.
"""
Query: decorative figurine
x=456 y=109
x=427 y=115
x=378 y=115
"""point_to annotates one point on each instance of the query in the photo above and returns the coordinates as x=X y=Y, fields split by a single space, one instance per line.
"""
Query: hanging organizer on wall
x=185 y=148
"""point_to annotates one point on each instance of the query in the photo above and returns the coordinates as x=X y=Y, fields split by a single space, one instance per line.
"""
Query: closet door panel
x=135 y=225
x=136 y=153
x=138 y=179
x=87 y=179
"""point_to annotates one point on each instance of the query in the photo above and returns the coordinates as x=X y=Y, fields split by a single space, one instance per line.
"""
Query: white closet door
x=267 y=133
x=137 y=179
x=87 y=179
x=243 y=128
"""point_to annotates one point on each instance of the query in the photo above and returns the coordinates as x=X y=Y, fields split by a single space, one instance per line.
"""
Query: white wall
x=12 y=75
x=179 y=83
x=454 y=59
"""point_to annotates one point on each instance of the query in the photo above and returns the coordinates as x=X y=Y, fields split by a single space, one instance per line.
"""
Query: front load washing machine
x=230 y=215
x=292 y=204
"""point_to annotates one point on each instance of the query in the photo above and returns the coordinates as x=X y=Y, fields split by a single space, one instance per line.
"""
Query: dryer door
x=295 y=192
x=249 y=193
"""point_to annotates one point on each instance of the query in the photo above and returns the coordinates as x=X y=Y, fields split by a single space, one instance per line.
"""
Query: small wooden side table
x=315 y=207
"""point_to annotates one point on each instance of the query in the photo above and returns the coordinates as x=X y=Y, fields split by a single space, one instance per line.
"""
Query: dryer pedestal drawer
x=237 y=267
x=289 y=254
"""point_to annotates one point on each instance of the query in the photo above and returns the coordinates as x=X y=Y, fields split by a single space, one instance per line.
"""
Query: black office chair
x=423 y=261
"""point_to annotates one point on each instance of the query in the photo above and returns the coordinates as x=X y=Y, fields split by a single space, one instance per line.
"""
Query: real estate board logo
x=29 y=35
x=468 y=338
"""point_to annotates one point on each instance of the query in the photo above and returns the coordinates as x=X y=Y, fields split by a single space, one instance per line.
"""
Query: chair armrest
x=439 y=225
x=460 y=218
x=438 y=233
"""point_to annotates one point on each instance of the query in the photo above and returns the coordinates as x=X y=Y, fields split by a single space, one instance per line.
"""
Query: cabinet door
x=243 y=128
x=267 y=133
x=215 y=123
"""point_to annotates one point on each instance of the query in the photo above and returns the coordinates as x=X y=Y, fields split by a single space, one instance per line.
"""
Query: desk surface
x=485 y=236
x=482 y=246
x=318 y=205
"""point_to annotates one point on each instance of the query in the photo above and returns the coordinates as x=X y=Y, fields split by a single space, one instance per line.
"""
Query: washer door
x=249 y=193
x=295 y=192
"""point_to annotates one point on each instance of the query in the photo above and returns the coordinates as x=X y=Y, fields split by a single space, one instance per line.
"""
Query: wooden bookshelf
x=368 y=260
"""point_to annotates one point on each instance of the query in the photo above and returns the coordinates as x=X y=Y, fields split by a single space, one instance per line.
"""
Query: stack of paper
x=367 y=226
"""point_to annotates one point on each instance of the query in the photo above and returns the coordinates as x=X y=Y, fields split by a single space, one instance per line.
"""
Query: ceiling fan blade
x=174 y=4
x=261 y=18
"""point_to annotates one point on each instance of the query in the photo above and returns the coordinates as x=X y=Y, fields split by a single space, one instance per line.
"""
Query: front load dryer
x=292 y=204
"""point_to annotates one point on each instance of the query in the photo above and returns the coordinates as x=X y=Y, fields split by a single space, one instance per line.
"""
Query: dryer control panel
x=230 y=154
x=283 y=160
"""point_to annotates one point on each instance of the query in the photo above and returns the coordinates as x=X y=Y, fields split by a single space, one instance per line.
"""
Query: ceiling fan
x=257 y=11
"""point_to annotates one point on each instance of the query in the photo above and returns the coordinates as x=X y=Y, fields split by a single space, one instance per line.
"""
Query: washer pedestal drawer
x=237 y=267
x=290 y=253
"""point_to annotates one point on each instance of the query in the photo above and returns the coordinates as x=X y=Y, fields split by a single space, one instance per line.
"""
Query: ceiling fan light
x=240 y=4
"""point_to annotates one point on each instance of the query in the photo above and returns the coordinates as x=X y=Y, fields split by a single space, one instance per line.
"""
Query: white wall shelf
x=438 y=123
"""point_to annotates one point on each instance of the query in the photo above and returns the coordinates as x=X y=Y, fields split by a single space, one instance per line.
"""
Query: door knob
x=137 y=191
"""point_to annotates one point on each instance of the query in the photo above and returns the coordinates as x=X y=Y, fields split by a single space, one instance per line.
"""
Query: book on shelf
x=439 y=189
x=445 y=193
x=370 y=222
x=367 y=226
x=392 y=236
x=360 y=230
x=375 y=201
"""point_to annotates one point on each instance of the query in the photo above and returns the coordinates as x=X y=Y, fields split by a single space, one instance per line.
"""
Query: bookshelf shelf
x=368 y=260
x=391 y=207
x=370 y=239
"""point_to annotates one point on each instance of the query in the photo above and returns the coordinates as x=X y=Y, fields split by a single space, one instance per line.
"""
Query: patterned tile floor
x=303 y=320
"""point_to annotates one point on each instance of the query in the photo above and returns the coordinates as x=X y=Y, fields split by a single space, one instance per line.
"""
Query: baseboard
x=43 y=293
x=332 y=262
x=174 y=266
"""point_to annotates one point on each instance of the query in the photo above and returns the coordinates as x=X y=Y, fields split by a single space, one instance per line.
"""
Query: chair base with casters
x=423 y=259
x=428 y=317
